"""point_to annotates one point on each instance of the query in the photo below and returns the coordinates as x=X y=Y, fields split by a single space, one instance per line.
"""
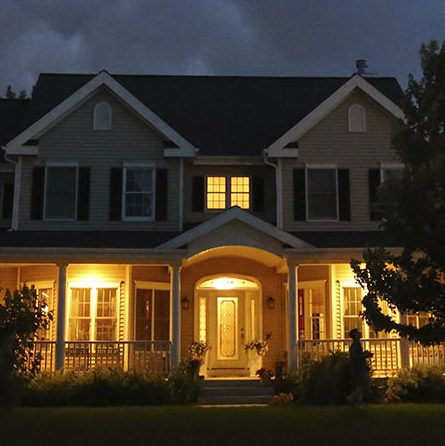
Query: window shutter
x=115 y=193
x=8 y=199
x=198 y=194
x=344 y=195
x=299 y=194
x=258 y=194
x=373 y=185
x=38 y=186
x=83 y=194
x=161 y=194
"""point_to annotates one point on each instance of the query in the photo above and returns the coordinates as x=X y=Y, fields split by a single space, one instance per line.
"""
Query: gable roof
x=103 y=79
x=220 y=115
x=235 y=213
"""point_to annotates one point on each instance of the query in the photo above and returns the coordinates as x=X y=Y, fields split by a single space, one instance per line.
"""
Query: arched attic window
x=356 y=119
x=102 y=116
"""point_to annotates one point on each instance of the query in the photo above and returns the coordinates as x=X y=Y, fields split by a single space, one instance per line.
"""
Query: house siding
x=74 y=140
x=329 y=142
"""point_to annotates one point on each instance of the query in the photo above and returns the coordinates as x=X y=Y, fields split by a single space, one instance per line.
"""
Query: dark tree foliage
x=22 y=315
x=413 y=208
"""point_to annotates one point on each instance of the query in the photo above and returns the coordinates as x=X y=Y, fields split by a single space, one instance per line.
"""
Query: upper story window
x=61 y=192
x=391 y=172
x=224 y=192
x=6 y=199
x=356 y=119
x=102 y=116
x=138 y=193
x=322 y=203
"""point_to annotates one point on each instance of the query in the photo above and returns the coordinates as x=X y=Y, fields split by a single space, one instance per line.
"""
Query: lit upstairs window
x=240 y=192
x=216 y=192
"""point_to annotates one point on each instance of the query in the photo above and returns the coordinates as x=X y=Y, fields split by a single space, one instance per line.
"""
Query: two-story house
x=152 y=211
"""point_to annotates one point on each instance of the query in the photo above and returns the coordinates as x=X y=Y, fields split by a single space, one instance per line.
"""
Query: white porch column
x=404 y=344
x=292 y=314
x=175 y=312
x=61 y=317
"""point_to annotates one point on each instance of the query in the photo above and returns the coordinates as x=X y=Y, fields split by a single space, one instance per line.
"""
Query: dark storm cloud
x=269 y=37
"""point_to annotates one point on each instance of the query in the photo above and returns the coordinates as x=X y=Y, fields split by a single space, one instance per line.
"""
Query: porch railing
x=386 y=359
x=150 y=356
x=432 y=355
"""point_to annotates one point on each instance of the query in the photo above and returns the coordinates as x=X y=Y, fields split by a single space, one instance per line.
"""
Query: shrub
x=416 y=385
x=100 y=387
x=324 y=382
x=184 y=388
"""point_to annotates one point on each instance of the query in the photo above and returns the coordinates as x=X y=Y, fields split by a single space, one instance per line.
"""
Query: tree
x=10 y=93
x=413 y=210
x=22 y=315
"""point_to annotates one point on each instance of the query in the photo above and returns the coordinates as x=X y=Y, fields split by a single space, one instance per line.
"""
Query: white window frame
x=389 y=166
x=307 y=286
x=228 y=191
x=352 y=109
x=124 y=191
x=47 y=285
x=60 y=164
x=93 y=306
x=325 y=167
x=110 y=117
x=365 y=326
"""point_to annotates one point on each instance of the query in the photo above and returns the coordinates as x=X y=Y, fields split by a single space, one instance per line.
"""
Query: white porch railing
x=432 y=355
x=386 y=359
x=150 y=356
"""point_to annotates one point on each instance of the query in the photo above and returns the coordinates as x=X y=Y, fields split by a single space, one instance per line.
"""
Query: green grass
x=187 y=425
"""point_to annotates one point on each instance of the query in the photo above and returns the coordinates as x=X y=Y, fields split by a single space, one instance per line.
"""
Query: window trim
x=228 y=192
x=56 y=164
x=124 y=191
x=308 y=167
x=93 y=306
x=110 y=120
x=389 y=166
x=363 y=111
x=365 y=327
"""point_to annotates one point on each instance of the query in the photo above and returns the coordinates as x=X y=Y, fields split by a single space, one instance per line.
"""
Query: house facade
x=153 y=211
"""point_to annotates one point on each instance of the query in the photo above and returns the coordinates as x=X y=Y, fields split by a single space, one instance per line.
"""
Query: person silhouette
x=358 y=367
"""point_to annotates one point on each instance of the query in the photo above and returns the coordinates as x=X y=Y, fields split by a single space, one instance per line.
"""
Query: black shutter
x=8 y=199
x=258 y=194
x=344 y=194
x=37 y=191
x=198 y=194
x=115 y=193
x=299 y=194
x=161 y=194
x=373 y=185
x=83 y=194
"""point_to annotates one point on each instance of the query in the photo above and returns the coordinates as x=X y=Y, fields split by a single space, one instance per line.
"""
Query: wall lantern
x=270 y=302
x=185 y=303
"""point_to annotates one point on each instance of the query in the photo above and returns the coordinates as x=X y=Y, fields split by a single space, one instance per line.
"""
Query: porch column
x=292 y=314
x=61 y=317
x=175 y=320
x=404 y=344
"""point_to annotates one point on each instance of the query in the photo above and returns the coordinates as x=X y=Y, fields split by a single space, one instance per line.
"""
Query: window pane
x=139 y=193
x=61 y=192
x=144 y=308
x=352 y=306
x=216 y=192
x=394 y=174
x=240 y=192
x=80 y=314
x=322 y=194
x=106 y=314
x=162 y=315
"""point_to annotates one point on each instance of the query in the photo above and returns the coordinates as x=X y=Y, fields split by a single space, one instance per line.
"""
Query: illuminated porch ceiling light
x=228 y=283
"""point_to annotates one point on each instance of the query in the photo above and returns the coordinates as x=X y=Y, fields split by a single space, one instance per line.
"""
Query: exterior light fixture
x=185 y=303
x=270 y=302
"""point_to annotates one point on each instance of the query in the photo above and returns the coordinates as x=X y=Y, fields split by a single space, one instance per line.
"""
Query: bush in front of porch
x=109 y=387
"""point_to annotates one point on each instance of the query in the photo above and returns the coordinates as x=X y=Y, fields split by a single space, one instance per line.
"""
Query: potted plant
x=265 y=375
x=197 y=352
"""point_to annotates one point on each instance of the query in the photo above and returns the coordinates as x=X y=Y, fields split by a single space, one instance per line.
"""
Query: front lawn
x=187 y=425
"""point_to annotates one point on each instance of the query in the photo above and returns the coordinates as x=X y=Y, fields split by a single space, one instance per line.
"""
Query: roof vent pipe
x=361 y=65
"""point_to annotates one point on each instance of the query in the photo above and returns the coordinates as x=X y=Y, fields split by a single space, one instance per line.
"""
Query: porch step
x=243 y=391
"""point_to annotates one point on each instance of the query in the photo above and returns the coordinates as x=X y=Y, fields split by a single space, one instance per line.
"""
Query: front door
x=227 y=328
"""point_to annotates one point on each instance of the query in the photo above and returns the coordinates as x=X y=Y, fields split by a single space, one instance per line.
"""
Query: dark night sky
x=255 y=37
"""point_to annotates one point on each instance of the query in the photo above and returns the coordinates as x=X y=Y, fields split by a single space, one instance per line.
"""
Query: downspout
x=17 y=173
x=278 y=187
